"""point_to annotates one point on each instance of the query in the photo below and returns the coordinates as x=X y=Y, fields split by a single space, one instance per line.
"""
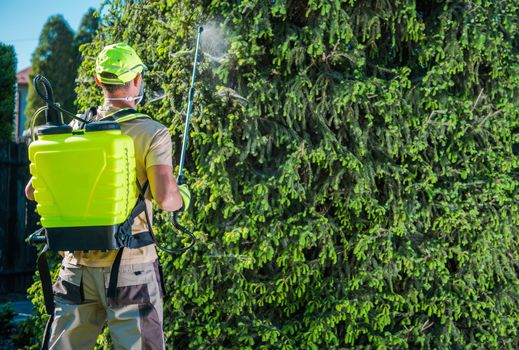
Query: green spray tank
x=84 y=180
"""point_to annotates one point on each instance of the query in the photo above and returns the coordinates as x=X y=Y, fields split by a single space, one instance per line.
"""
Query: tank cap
x=102 y=126
x=54 y=129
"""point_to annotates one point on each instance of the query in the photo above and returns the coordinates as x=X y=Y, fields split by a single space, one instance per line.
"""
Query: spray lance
x=184 y=145
x=189 y=108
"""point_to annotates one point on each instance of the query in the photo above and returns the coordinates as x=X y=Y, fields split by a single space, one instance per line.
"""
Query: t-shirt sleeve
x=159 y=152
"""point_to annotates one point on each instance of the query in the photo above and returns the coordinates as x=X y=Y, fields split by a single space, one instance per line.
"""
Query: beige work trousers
x=134 y=318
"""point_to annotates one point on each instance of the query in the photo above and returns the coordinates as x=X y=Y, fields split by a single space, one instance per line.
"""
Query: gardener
x=134 y=316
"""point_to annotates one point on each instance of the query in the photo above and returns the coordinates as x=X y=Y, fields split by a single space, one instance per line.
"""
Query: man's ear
x=98 y=82
x=136 y=80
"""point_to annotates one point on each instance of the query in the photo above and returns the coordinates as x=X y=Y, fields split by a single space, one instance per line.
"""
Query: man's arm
x=29 y=190
x=164 y=188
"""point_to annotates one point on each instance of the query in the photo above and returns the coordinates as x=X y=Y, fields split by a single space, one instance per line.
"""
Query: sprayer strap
x=46 y=281
x=126 y=239
x=124 y=115
x=143 y=189
x=48 y=295
x=129 y=240
x=124 y=236
x=88 y=116
x=114 y=275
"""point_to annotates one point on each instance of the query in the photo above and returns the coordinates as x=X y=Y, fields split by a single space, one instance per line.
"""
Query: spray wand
x=184 y=145
x=189 y=108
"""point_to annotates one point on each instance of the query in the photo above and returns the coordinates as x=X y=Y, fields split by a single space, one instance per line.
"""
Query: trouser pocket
x=68 y=285
x=136 y=284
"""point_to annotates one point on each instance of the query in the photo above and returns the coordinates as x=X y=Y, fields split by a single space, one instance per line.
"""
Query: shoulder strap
x=88 y=115
x=124 y=115
x=46 y=286
x=142 y=189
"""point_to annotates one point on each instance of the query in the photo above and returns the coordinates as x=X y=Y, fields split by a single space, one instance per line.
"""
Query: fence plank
x=17 y=219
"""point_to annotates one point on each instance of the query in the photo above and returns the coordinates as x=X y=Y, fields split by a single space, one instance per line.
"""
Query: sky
x=21 y=22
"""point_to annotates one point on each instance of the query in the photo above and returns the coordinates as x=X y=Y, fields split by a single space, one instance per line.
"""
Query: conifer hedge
x=366 y=193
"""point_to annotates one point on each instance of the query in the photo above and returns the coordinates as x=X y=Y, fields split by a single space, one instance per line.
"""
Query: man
x=135 y=315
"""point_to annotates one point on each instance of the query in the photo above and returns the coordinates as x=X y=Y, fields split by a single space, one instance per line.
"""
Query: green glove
x=186 y=196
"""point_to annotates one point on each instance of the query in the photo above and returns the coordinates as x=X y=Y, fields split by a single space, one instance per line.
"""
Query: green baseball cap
x=121 y=61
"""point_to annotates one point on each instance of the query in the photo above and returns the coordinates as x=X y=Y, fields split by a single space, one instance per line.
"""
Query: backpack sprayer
x=98 y=226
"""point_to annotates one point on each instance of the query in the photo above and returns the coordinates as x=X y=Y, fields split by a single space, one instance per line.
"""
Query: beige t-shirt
x=152 y=142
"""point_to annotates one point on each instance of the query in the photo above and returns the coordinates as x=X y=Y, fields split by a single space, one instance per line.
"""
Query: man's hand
x=29 y=190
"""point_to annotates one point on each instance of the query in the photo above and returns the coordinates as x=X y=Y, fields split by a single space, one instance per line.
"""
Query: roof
x=22 y=77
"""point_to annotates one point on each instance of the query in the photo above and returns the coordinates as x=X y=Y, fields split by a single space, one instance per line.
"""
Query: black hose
x=52 y=115
x=49 y=95
x=52 y=107
x=174 y=220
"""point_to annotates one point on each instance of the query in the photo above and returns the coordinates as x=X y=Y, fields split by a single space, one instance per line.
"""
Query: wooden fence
x=17 y=220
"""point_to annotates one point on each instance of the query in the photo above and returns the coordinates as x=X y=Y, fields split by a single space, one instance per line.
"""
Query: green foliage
x=364 y=196
x=55 y=58
x=8 y=329
x=17 y=335
x=7 y=90
x=7 y=315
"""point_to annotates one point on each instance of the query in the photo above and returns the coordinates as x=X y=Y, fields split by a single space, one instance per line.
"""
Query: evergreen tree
x=86 y=32
x=363 y=195
x=55 y=59
x=7 y=90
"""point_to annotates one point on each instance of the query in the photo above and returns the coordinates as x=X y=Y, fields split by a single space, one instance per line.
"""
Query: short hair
x=111 y=88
